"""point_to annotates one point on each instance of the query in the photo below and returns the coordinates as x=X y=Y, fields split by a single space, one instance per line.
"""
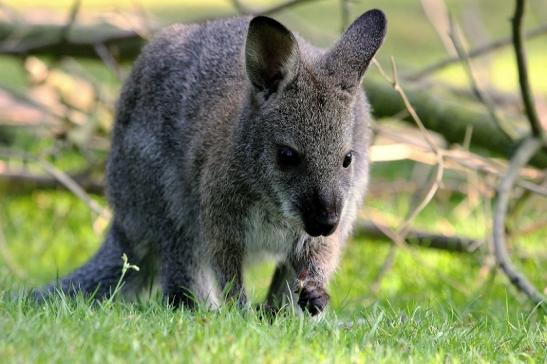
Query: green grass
x=431 y=307
x=76 y=332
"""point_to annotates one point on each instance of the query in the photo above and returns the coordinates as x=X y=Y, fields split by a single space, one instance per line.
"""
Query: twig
x=397 y=87
x=75 y=188
x=435 y=11
x=532 y=228
x=108 y=59
x=400 y=234
x=474 y=53
x=384 y=269
x=243 y=10
x=64 y=179
x=238 y=6
x=445 y=116
x=23 y=180
x=396 y=239
x=438 y=153
x=522 y=156
x=283 y=6
x=520 y=53
x=72 y=15
x=144 y=16
x=453 y=34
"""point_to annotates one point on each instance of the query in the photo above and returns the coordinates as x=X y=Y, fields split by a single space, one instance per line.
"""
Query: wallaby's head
x=299 y=125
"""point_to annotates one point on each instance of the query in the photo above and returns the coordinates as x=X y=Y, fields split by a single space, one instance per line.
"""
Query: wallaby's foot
x=266 y=311
x=181 y=298
x=313 y=298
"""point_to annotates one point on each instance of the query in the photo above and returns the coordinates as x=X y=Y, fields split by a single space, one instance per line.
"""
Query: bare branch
x=474 y=53
x=80 y=42
x=284 y=6
x=73 y=14
x=108 y=59
x=525 y=90
x=243 y=10
x=444 y=116
x=453 y=34
x=75 y=188
x=63 y=178
x=456 y=244
x=24 y=181
x=415 y=210
x=501 y=203
x=384 y=269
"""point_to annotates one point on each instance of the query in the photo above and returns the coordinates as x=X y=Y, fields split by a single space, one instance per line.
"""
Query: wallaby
x=233 y=139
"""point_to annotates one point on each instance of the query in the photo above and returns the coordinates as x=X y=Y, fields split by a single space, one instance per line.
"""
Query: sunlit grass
x=431 y=306
x=152 y=333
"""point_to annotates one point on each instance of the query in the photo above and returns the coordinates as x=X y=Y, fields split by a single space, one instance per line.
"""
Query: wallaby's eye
x=347 y=160
x=287 y=157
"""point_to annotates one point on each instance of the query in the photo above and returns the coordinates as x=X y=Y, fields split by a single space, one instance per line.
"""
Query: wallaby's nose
x=326 y=223
x=321 y=218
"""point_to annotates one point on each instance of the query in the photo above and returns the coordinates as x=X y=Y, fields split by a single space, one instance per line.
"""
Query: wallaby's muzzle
x=321 y=215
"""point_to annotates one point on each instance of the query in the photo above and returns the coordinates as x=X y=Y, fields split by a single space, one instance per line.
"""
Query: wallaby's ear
x=271 y=54
x=350 y=57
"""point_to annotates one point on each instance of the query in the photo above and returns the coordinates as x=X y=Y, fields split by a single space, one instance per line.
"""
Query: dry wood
x=520 y=53
x=521 y=157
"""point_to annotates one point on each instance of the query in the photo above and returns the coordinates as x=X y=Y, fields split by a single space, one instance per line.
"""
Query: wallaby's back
x=182 y=96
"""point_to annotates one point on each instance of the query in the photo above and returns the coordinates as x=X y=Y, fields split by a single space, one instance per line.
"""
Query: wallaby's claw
x=313 y=299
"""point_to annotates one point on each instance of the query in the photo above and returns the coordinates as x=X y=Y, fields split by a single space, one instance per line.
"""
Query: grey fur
x=194 y=178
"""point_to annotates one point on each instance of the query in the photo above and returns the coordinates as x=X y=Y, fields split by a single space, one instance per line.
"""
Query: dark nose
x=321 y=218
x=326 y=223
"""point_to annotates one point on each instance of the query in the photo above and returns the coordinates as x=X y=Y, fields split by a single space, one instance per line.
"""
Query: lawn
x=431 y=306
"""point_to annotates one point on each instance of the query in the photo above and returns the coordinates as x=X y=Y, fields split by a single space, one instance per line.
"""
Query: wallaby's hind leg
x=100 y=275
x=281 y=292
x=177 y=275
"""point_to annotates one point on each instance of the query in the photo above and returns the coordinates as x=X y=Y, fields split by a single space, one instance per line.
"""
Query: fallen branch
x=501 y=203
x=59 y=40
x=21 y=181
x=448 y=118
x=78 y=41
x=420 y=238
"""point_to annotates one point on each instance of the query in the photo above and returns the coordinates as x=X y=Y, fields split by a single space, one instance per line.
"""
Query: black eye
x=287 y=157
x=347 y=160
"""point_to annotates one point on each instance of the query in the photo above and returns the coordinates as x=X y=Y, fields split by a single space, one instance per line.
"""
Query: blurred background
x=425 y=234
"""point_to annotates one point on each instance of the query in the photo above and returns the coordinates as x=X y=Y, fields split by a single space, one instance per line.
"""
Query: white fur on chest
x=266 y=237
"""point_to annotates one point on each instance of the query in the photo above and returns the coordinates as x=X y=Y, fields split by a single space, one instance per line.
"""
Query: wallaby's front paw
x=313 y=299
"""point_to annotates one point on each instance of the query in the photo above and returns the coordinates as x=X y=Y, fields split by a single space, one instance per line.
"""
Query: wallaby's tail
x=101 y=274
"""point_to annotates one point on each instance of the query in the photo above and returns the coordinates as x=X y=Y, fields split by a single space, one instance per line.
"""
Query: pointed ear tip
x=261 y=21
x=376 y=16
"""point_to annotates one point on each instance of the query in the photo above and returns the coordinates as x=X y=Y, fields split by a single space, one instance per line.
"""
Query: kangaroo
x=235 y=139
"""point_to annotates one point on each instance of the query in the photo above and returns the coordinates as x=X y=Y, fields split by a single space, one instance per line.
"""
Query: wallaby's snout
x=321 y=214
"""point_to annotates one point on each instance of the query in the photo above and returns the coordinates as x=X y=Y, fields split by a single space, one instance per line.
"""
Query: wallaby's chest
x=266 y=236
